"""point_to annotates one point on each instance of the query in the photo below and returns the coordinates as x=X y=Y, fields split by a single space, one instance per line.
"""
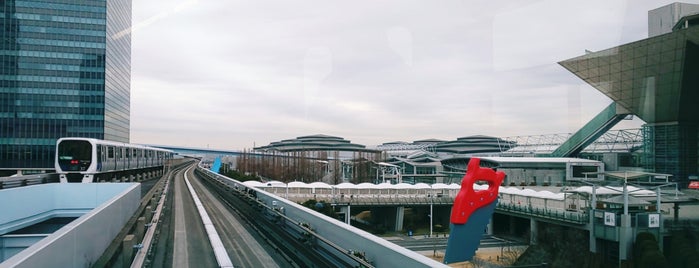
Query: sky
x=239 y=74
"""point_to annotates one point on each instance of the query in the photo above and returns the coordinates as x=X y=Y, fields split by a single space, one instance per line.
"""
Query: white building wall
x=662 y=19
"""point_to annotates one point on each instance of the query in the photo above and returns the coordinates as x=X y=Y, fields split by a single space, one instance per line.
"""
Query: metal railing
x=554 y=211
x=336 y=237
x=19 y=181
x=577 y=217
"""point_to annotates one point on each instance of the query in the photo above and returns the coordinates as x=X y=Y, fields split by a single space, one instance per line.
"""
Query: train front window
x=74 y=153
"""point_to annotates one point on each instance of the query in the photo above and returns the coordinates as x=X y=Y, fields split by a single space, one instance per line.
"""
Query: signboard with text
x=653 y=220
x=609 y=219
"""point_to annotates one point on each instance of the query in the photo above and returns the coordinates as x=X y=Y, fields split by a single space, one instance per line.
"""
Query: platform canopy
x=619 y=200
x=632 y=175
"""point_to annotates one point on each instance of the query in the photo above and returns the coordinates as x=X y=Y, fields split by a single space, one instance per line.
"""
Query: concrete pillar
x=127 y=250
x=149 y=214
x=625 y=237
x=346 y=210
x=591 y=229
x=489 y=229
x=400 y=212
x=533 y=231
x=661 y=230
x=140 y=228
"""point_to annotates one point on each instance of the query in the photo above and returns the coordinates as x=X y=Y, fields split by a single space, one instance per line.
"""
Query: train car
x=88 y=160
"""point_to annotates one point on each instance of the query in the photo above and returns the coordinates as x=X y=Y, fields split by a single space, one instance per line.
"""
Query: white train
x=88 y=160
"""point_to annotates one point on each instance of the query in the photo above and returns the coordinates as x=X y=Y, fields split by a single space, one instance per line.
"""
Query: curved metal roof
x=474 y=144
x=317 y=142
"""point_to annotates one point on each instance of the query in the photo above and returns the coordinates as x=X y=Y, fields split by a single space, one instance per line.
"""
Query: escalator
x=599 y=125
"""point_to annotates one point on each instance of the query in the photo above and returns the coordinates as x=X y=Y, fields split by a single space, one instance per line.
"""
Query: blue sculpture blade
x=464 y=238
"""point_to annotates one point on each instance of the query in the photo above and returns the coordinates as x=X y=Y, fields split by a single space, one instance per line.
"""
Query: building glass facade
x=65 y=72
x=655 y=79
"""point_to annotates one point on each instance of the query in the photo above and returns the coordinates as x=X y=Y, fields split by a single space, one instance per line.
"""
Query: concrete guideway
x=219 y=251
x=190 y=248
x=242 y=246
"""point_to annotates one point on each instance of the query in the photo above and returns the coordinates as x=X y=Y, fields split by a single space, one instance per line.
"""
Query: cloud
x=547 y=31
x=230 y=74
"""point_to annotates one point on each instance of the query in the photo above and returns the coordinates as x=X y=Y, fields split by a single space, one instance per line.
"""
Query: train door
x=109 y=161
x=134 y=159
x=145 y=158
x=98 y=154
x=139 y=155
x=124 y=160
x=119 y=158
x=127 y=158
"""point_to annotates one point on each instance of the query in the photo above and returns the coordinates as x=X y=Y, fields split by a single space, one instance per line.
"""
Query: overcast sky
x=234 y=74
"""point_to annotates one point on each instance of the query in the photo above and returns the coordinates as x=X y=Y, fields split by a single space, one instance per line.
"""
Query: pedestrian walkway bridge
x=561 y=204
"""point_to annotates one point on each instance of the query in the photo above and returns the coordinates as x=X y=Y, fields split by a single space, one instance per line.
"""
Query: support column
x=591 y=232
x=148 y=214
x=346 y=210
x=140 y=229
x=533 y=231
x=591 y=224
x=489 y=229
x=400 y=211
x=431 y=217
x=625 y=231
x=625 y=237
x=127 y=250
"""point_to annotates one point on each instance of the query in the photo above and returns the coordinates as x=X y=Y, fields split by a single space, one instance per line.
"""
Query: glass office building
x=65 y=72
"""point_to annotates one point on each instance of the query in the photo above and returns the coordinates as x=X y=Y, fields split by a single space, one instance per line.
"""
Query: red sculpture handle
x=468 y=200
